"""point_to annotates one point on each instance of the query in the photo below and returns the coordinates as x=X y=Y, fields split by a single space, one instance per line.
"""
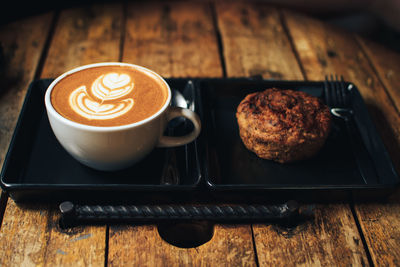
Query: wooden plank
x=176 y=40
x=330 y=51
x=255 y=43
x=21 y=46
x=380 y=222
x=330 y=239
x=77 y=246
x=31 y=235
x=23 y=235
x=336 y=52
x=142 y=245
x=386 y=64
x=332 y=236
x=83 y=36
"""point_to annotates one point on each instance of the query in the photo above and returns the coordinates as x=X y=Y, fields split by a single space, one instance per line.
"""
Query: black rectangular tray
x=216 y=167
x=331 y=174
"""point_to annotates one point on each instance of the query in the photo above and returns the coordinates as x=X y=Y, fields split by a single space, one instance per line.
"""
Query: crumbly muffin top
x=286 y=116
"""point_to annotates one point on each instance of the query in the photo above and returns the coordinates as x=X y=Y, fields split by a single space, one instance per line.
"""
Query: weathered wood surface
x=175 y=40
x=231 y=245
x=23 y=235
x=180 y=39
x=331 y=237
x=32 y=236
x=83 y=36
x=380 y=222
x=327 y=51
x=21 y=45
x=324 y=50
x=255 y=43
x=386 y=64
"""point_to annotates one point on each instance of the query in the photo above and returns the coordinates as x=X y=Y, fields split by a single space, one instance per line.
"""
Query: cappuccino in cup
x=110 y=115
x=109 y=95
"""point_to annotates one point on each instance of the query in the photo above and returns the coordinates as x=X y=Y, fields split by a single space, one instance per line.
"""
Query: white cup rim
x=78 y=125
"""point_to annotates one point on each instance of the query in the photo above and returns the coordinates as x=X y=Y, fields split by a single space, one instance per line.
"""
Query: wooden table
x=201 y=39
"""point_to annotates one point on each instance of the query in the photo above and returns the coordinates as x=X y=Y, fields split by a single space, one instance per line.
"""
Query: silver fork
x=338 y=98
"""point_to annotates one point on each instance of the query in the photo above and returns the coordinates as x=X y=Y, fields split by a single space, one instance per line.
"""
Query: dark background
x=352 y=17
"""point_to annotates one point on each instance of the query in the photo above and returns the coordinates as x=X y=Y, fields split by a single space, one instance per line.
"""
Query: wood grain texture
x=21 y=46
x=336 y=52
x=386 y=64
x=23 y=235
x=32 y=236
x=325 y=50
x=176 y=40
x=230 y=246
x=77 y=246
x=254 y=42
x=162 y=39
x=380 y=222
x=331 y=237
x=83 y=36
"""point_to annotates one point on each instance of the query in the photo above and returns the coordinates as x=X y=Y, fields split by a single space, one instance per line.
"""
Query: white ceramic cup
x=117 y=147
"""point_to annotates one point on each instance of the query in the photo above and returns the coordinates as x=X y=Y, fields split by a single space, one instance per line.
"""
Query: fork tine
x=344 y=92
x=334 y=96
x=327 y=92
x=338 y=92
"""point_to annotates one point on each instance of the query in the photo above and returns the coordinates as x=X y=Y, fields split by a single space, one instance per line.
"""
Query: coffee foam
x=109 y=90
x=109 y=95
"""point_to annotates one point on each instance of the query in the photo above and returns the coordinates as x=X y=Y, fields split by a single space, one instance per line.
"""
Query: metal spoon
x=177 y=100
x=170 y=173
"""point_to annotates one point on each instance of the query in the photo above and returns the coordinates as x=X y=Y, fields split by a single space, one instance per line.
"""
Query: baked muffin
x=283 y=125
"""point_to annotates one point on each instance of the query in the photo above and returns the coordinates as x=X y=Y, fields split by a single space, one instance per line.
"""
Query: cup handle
x=171 y=141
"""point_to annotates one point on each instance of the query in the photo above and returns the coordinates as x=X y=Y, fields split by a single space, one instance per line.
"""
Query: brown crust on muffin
x=283 y=125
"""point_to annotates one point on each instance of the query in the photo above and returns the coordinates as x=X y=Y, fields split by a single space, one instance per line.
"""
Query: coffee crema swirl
x=109 y=96
x=107 y=99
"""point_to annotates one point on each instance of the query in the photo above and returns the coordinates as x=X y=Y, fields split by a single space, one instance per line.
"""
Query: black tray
x=216 y=167
x=331 y=175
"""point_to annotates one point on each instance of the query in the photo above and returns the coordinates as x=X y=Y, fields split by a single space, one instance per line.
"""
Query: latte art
x=107 y=100
x=112 y=86
x=107 y=96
